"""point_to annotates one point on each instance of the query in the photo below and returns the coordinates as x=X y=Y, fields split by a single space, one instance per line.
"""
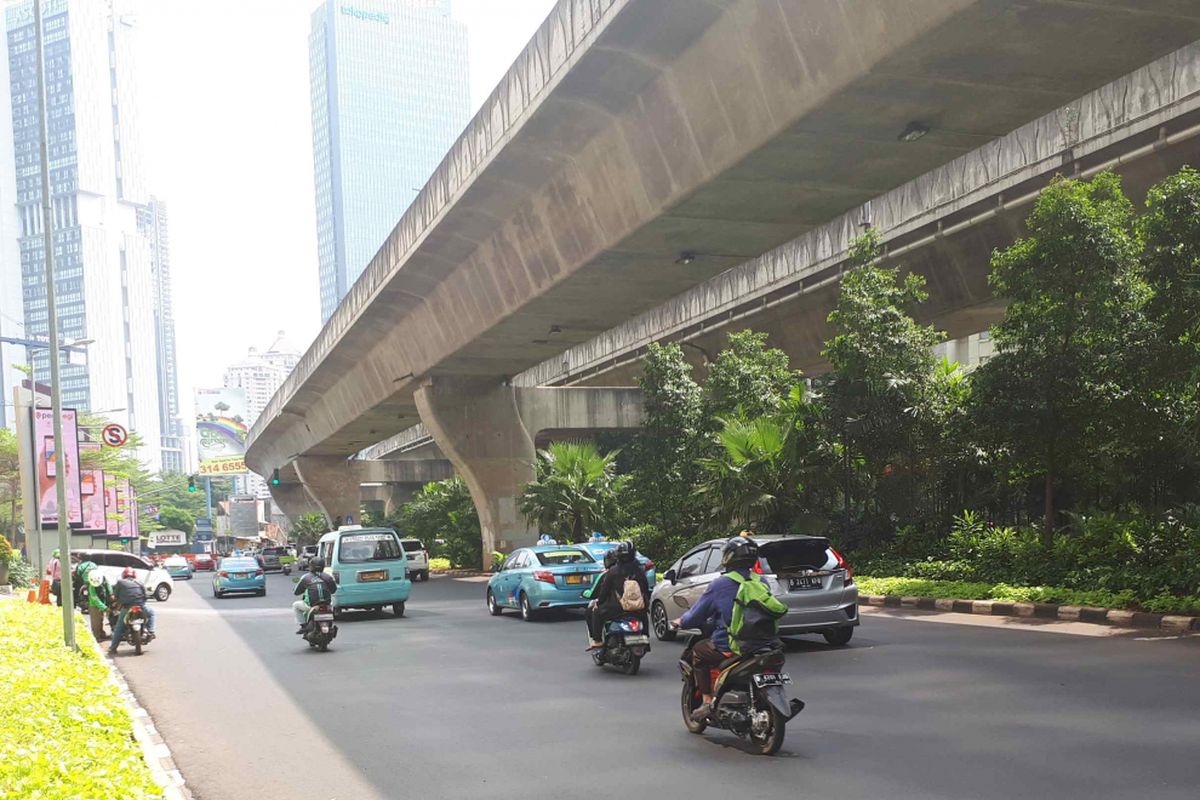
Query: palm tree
x=577 y=491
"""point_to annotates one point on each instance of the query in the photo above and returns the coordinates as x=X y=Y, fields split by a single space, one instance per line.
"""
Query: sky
x=227 y=138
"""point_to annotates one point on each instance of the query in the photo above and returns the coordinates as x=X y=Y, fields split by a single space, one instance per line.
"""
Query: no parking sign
x=114 y=435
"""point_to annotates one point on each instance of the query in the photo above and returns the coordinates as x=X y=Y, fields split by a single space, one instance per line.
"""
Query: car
x=805 y=572
x=418 y=558
x=112 y=563
x=203 y=561
x=370 y=567
x=178 y=567
x=239 y=574
x=598 y=549
x=533 y=579
x=270 y=558
x=306 y=553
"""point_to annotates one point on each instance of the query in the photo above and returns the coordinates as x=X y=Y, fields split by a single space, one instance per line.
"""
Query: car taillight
x=426 y=554
x=649 y=566
x=758 y=567
x=223 y=574
x=543 y=575
x=257 y=572
x=844 y=565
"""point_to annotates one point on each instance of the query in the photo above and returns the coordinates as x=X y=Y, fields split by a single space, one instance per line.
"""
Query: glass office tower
x=389 y=97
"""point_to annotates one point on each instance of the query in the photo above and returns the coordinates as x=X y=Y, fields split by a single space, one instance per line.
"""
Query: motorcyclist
x=606 y=595
x=316 y=575
x=99 y=598
x=130 y=592
x=715 y=609
x=82 y=589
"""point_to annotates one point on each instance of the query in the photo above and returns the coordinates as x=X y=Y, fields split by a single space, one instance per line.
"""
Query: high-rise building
x=389 y=96
x=261 y=375
x=103 y=263
x=12 y=310
x=152 y=223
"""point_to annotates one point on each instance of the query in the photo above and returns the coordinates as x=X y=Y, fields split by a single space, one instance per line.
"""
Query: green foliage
x=656 y=545
x=6 y=551
x=20 y=572
x=444 y=511
x=177 y=519
x=748 y=379
x=577 y=491
x=67 y=733
x=439 y=563
x=10 y=484
x=309 y=529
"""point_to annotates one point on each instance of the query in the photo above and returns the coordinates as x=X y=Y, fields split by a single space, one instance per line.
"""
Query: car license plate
x=324 y=617
x=574 y=579
x=374 y=575
x=241 y=575
x=804 y=582
x=637 y=640
x=764 y=679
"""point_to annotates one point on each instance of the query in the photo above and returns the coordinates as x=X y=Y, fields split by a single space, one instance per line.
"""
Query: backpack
x=317 y=592
x=631 y=596
x=756 y=613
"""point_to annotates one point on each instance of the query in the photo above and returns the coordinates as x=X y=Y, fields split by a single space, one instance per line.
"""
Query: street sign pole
x=60 y=482
x=208 y=498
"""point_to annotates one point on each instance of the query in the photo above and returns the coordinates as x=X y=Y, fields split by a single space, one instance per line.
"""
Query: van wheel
x=424 y=575
x=398 y=609
x=162 y=593
x=527 y=611
x=493 y=607
x=839 y=636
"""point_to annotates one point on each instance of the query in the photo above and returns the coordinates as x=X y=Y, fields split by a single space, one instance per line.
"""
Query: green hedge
x=974 y=590
x=439 y=563
x=66 y=733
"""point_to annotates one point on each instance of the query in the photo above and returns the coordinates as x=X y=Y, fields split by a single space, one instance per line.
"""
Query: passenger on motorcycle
x=130 y=592
x=607 y=594
x=715 y=609
x=311 y=588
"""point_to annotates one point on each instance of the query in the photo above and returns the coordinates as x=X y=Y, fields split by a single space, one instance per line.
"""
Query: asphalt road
x=449 y=702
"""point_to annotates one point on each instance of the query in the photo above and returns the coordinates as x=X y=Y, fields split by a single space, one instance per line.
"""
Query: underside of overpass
x=638 y=148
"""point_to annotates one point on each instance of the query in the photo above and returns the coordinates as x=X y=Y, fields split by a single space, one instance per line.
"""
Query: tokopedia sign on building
x=373 y=16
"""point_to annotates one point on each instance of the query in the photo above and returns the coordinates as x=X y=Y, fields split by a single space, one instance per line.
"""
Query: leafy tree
x=1050 y=400
x=664 y=452
x=443 y=516
x=748 y=378
x=309 y=528
x=576 y=491
x=771 y=472
x=177 y=519
x=10 y=483
x=881 y=360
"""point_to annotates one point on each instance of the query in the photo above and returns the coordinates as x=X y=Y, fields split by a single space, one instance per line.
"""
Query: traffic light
x=191 y=483
x=275 y=478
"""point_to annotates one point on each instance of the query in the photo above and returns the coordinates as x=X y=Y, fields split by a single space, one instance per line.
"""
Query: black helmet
x=316 y=564
x=610 y=557
x=740 y=553
x=625 y=552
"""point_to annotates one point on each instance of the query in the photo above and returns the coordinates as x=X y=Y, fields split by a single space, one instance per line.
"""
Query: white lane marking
x=1033 y=624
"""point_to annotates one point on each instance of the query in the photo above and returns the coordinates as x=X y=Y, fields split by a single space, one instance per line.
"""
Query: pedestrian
x=54 y=572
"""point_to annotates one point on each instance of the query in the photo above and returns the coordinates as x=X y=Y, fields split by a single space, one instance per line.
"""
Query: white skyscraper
x=261 y=375
x=12 y=310
x=104 y=272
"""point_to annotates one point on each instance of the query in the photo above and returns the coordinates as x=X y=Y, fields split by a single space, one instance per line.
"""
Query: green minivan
x=370 y=568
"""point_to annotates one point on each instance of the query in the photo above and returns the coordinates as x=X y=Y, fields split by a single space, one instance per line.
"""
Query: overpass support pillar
x=332 y=483
x=294 y=500
x=478 y=427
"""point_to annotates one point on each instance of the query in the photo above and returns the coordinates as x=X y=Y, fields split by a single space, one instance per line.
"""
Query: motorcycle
x=749 y=698
x=626 y=641
x=319 y=628
x=135 y=628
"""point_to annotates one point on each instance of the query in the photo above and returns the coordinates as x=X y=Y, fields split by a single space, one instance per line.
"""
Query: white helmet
x=95 y=579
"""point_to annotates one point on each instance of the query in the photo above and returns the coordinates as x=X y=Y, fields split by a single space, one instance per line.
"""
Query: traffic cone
x=31 y=597
x=44 y=591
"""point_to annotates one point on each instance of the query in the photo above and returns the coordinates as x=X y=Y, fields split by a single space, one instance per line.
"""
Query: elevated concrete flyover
x=336 y=487
x=639 y=147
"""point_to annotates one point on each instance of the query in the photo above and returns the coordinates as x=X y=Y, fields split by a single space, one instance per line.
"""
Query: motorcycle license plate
x=764 y=679
x=324 y=617
x=637 y=640
x=804 y=582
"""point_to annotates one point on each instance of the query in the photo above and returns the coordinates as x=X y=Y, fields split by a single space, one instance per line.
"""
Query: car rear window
x=357 y=548
x=552 y=557
x=412 y=545
x=794 y=555
x=238 y=563
x=274 y=551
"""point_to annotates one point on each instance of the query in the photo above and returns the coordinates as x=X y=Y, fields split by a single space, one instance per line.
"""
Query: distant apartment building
x=12 y=309
x=389 y=96
x=261 y=374
x=104 y=263
x=152 y=223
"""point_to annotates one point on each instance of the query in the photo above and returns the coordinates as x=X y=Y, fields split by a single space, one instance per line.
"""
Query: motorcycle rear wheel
x=689 y=702
x=135 y=638
x=771 y=740
x=632 y=666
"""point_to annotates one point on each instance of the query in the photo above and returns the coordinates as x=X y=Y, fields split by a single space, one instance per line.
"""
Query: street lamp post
x=60 y=483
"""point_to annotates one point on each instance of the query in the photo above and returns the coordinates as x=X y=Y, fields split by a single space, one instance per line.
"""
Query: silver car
x=804 y=572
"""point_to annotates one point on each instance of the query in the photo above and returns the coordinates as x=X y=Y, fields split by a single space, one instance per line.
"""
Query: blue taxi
x=238 y=574
x=534 y=579
x=599 y=548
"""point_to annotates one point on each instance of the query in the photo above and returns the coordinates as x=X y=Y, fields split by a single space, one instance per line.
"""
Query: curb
x=459 y=573
x=145 y=733
x=1171 y=623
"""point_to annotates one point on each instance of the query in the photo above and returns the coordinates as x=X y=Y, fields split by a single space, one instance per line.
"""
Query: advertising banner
x=112 y=524
x=92 y=488
x=126 y=511
x=55 y=463
x=167 y=538
x=221 y=428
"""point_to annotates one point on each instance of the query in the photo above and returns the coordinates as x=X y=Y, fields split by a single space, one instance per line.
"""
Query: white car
x=112 y=563
x=418 y=559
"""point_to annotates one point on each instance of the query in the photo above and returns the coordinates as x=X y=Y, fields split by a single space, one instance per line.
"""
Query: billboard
x=221 y=427
x=57 y=463
x=168 y=538
x=112 y=524
x=91 y=487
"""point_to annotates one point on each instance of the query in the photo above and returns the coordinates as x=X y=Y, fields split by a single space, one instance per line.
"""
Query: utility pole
x=208 y=498
x=60 y=482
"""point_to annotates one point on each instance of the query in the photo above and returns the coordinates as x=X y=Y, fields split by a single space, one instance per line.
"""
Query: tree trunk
x=1048 y=518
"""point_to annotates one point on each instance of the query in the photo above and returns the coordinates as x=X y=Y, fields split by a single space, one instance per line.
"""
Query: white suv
x=112 y=563
x=418 y=559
